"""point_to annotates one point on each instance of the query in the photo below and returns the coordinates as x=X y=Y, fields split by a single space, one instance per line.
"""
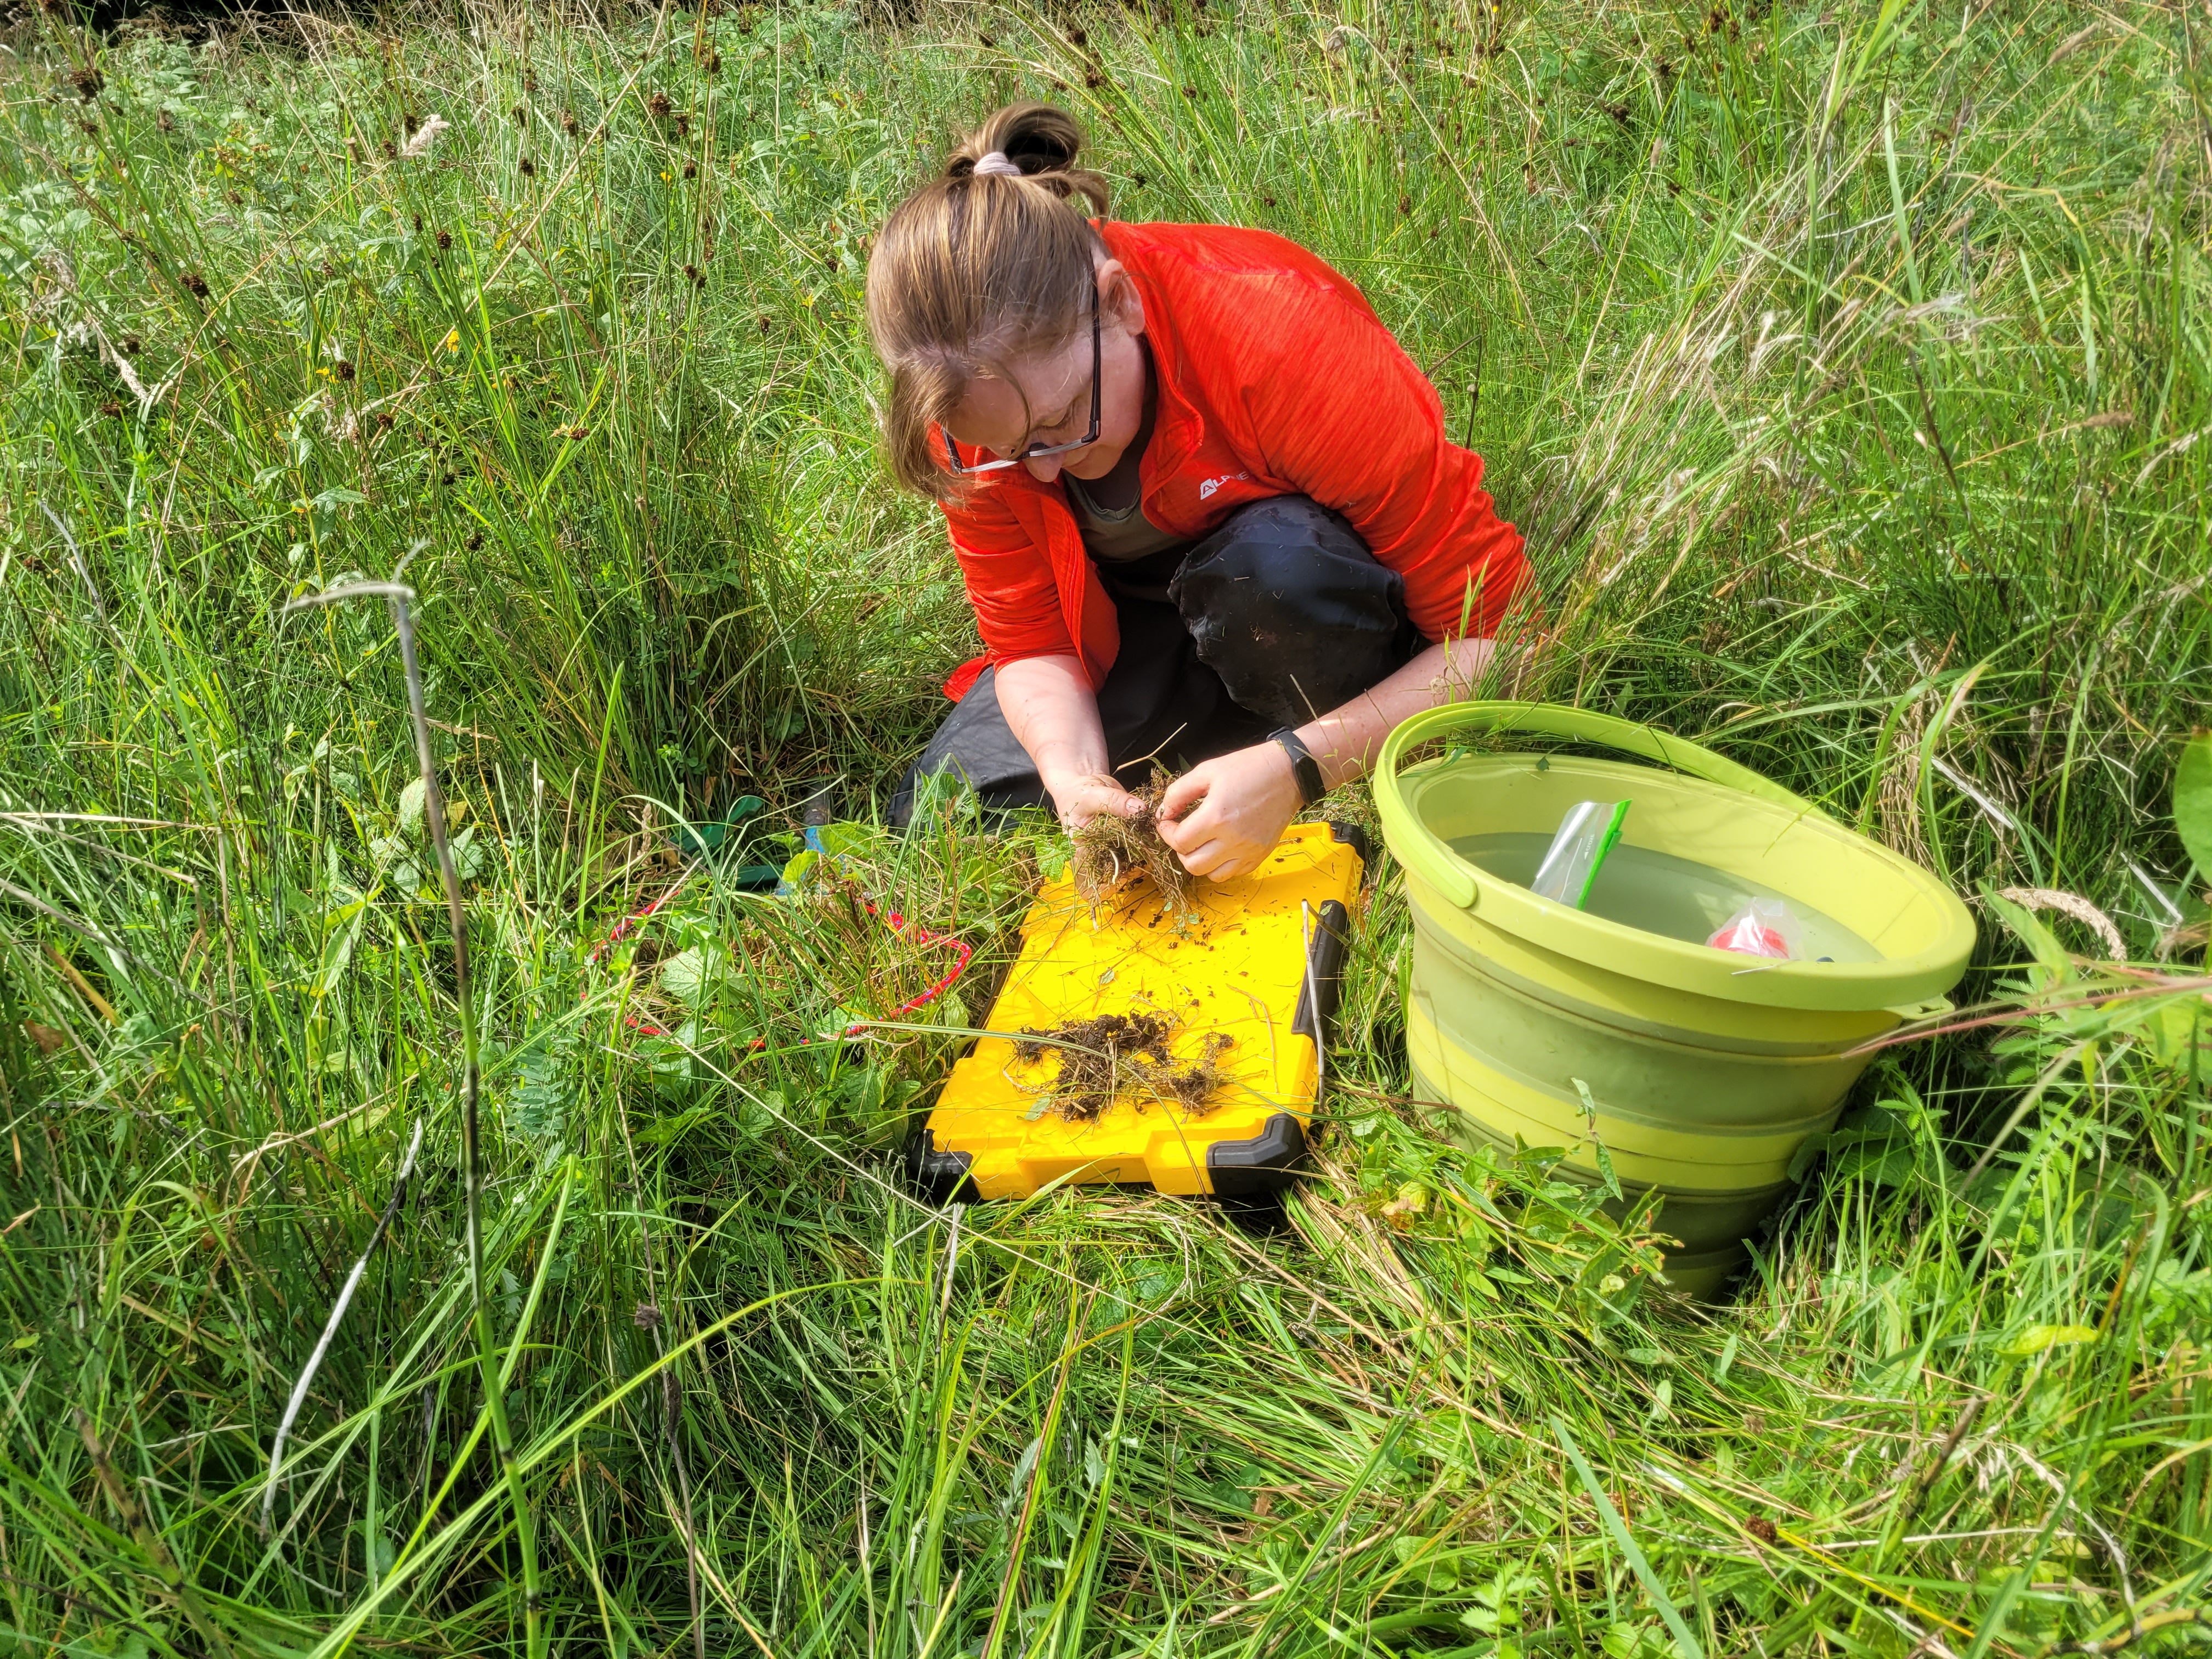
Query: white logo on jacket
x=1207 y=488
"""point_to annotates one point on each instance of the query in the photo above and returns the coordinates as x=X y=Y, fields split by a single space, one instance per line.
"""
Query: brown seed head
x=88 y=82
x=111 y=409
x=646 y=1316
x=132 y=345
x=690 y=169
x=444 y=239
x=521 y=115
x=383 y=420
x=1076 y=37
x=528 y=167
x=661 y=106
x=568 y=122
x=1759 y=1527
x=195 y=284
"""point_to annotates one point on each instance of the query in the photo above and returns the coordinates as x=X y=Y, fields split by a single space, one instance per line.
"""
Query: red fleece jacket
x=1275 y=377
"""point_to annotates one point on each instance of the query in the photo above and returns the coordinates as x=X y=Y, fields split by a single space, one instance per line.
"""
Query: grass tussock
x=1844 y=367
x=1110 y=850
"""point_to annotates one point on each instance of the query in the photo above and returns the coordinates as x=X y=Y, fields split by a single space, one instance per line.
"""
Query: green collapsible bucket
x=1708 y=1068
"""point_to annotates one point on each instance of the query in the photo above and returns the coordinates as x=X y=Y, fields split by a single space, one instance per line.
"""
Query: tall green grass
x=1846 y=372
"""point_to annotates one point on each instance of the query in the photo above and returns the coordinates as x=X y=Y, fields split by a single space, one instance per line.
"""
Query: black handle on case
x=1324 y=981
x=940 y=1177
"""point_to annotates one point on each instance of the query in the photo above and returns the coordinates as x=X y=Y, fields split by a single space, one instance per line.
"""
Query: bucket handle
x=1428 y=858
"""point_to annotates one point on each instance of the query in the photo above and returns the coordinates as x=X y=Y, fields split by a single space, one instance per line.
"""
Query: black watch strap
x=1311 y=788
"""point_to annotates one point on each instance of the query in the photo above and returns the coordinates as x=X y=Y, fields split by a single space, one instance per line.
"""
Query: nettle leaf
x=468 y=857
x=690 y=976
x=2192 y=800
x=410 y=807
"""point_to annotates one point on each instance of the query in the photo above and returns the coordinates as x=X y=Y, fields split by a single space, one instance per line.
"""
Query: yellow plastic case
x=1258 y=960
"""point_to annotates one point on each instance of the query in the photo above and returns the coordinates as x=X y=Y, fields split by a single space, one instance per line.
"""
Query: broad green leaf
x=2192 y=800
x=2036 y=1338
x=410 y=807
x=2039 y=939
x=689 y=975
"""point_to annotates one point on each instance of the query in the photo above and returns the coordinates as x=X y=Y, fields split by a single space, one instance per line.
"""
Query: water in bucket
x=1662 y=893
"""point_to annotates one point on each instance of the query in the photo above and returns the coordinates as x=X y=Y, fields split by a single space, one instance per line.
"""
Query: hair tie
x=996 y=162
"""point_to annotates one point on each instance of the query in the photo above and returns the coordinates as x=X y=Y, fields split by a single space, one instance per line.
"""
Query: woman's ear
x=1119 y=302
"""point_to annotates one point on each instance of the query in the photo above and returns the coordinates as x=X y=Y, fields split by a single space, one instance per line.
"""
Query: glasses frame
x=952 y=455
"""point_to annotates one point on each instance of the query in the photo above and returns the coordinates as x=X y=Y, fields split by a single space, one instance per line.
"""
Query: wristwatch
x=1311 y=787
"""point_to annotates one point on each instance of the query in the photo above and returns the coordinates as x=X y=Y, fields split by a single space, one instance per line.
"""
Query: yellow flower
x=453 y=340
x=666 y=175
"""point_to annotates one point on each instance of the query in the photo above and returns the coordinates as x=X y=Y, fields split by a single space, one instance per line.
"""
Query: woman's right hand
x=1093 y=794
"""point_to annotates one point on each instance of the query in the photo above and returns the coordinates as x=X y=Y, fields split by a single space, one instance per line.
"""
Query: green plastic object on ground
x=1707 y=1069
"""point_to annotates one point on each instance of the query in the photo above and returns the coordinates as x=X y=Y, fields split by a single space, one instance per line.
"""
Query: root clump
x=1108 y=1056
x=1108 y=850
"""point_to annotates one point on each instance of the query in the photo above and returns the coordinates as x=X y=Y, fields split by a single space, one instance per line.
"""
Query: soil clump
x=1110 y=1056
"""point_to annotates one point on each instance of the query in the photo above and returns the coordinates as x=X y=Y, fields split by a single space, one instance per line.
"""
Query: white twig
x=331 y=1329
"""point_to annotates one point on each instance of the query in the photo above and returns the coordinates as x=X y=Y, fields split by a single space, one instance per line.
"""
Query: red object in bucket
x=1763 y=928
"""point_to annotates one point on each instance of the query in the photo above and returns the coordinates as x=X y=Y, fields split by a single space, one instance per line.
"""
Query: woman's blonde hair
x=977 y=269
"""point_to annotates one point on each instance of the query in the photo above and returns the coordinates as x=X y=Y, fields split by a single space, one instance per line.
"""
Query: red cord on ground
x=923 y=940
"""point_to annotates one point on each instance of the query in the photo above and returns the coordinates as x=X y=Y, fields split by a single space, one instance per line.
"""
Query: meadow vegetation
x=1846 y=368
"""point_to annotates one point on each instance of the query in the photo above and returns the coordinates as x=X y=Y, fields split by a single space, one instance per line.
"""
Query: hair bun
x=1042 y=140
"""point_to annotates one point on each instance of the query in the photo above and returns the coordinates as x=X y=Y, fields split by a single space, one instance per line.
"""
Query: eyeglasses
x=952 y=456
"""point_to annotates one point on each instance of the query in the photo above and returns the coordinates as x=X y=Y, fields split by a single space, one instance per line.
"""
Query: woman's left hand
x=1224 y=815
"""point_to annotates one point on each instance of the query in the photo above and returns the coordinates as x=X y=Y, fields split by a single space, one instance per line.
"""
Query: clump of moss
x=1111 y=849
x=1108 y=1057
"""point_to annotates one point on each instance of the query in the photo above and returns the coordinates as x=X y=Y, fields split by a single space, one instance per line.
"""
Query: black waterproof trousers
x=1280 y=615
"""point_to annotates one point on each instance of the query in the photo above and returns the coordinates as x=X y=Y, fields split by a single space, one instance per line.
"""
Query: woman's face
x=1048 y=399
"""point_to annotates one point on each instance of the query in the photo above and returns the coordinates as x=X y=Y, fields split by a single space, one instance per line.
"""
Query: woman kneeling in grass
x=1203 y=501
